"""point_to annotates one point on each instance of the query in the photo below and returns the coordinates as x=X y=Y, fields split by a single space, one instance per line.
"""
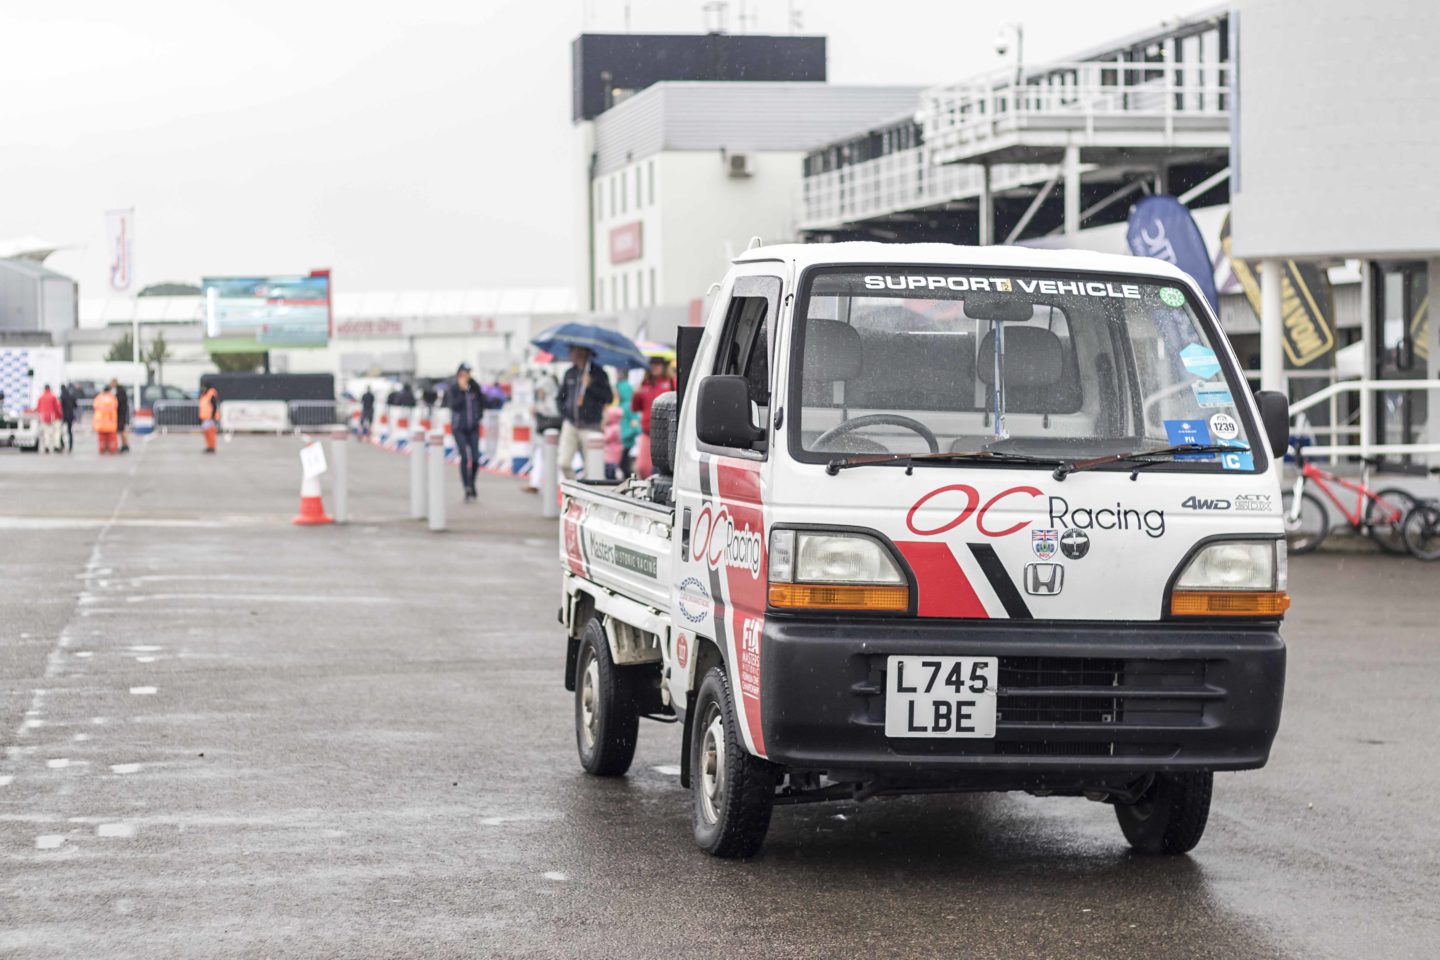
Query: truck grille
x=1020 y=673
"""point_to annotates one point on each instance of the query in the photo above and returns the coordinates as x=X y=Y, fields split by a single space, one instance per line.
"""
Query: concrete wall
x=1339 y=130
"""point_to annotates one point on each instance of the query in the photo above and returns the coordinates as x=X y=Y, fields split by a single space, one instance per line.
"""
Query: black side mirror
x=722 y=413
x=1275 y=416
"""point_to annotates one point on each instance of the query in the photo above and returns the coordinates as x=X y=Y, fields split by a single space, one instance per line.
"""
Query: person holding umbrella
x=584 y=392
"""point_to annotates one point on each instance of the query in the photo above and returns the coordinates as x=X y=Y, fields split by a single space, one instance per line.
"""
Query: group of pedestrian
x=57 y=414
x=620 y=416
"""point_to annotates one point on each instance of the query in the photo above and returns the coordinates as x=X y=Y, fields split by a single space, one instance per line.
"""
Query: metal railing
x=170 y=414
x=1366 y=389
x=904 y=180
x=1111 y=98
x=314 y=413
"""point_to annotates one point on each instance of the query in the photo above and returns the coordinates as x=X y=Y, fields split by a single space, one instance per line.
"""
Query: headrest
x=1033 y=357
x=832 y=350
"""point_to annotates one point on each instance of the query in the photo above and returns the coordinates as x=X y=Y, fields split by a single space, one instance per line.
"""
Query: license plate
x=940 y=696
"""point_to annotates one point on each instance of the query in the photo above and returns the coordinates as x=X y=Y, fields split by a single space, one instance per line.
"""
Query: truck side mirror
x=722 y=413
x=1275 y=416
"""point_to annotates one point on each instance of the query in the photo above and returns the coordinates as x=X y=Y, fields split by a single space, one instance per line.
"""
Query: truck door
x=721 y=560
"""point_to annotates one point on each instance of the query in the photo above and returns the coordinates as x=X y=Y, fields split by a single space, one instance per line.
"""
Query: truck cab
x=944 y=519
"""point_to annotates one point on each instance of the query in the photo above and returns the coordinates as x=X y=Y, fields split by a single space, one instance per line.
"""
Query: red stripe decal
x=945 y=591
x=739 y=489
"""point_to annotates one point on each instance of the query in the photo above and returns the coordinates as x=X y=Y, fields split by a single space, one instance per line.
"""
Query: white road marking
x=57 y=763
x=49 y=841
x=669 y=770
x=347 y=600
x=145 y=648
x=555 y=875
x=144 y=659
x=142 y=691
x=81 y=737
x=33 y=722
x=84 y=653
x=124 y=767
x=6 y=780
x=115 y=830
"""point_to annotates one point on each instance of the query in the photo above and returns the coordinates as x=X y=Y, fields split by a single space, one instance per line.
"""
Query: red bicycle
x=1377 y=514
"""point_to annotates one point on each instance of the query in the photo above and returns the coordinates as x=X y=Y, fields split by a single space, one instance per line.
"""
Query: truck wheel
x=732 y=791
x=606 y=718
x=1170 y=817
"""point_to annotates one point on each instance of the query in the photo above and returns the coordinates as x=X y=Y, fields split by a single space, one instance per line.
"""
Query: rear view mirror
x=1002 y=309
x=1275 y=416
x=722 y=413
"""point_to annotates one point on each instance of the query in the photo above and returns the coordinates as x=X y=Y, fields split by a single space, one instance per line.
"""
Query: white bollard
x=490 y=437
x=594 y=442
x=340 y=473
x=550 y=474
x=418 y=482
x=435 y=453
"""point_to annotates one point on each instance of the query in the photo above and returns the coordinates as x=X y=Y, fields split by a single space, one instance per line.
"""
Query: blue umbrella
x=609 y=347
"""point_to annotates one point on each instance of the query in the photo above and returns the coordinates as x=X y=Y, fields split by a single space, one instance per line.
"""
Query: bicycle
x=1378 y=514
x=1421 y=529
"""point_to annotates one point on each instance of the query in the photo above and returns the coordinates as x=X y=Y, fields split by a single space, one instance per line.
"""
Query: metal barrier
x=1367 y=447
x=170 y=414
x=314 y=413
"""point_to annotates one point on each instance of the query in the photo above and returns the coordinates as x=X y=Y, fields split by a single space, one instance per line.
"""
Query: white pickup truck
x=935 y=518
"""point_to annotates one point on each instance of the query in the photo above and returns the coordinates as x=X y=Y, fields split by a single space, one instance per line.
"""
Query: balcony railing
x=1094 y=100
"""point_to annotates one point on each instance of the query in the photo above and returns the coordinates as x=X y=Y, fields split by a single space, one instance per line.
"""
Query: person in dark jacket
x=67 y=414
x=584 y=392
x=467 y=410
x=122 y=398
x=367 y=411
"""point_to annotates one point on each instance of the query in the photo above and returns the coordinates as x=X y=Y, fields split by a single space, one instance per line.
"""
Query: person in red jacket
x=50 y=413
x=657 y=381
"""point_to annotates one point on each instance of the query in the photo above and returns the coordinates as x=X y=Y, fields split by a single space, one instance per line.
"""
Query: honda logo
x=1044 y=579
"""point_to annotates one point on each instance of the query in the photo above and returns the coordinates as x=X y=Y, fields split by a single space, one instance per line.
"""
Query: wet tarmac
x=229 y=737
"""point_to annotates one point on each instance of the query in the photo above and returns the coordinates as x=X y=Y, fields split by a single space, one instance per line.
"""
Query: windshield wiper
x=976 y=456
x=1143 y=457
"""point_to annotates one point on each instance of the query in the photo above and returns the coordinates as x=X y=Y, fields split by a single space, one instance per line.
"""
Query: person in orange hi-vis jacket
x=209 y=416
x=106 y=420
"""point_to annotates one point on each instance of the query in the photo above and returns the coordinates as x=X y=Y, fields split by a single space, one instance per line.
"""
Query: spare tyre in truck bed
x=663 y=416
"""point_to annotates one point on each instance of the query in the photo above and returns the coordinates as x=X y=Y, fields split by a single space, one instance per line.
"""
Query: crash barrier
x=170 y=414
x=313 y=413
x=1367 y=447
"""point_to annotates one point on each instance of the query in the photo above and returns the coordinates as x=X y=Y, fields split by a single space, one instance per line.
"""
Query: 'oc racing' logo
x=718 y=543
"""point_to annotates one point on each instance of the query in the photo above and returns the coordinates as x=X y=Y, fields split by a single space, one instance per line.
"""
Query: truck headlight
x=822 y=570
x=1233 y=578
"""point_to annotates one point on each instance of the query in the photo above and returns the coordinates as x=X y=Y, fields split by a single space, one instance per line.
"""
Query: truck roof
x=953 y=254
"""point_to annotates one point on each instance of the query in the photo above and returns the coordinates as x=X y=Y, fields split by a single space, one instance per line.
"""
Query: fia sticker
x=1241 y=459
x=1200 y=360
x=1224 y=427
x=1212 y=393
x=1194 y=432
x=1045 y=542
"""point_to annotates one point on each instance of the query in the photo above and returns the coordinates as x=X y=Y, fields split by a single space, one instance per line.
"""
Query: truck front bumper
x=1077 y=703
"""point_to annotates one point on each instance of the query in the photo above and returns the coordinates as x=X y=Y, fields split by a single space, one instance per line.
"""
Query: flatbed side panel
x=619 y=543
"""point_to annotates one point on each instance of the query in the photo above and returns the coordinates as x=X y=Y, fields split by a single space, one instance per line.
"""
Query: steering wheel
x=875 y=420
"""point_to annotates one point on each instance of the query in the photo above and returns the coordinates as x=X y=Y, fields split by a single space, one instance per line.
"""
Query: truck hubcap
x=712 y=768
x=589 y=702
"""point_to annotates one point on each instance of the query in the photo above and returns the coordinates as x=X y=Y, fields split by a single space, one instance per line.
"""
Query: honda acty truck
x=931 y=518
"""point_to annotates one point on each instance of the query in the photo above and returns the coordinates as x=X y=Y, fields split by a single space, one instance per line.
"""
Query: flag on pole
x=120 y=242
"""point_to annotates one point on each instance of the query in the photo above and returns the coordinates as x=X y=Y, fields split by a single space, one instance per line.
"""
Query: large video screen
x=261 y=313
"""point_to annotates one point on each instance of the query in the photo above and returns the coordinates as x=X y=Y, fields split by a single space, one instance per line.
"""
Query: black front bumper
x=1076 y=702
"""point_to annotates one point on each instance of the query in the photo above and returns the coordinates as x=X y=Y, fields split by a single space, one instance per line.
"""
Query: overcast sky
x=413 y=144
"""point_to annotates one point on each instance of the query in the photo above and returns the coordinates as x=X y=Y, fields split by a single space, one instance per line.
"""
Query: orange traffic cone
x=312 y=506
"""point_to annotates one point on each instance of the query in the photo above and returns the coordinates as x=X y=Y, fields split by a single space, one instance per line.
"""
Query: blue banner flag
x=1162 y=227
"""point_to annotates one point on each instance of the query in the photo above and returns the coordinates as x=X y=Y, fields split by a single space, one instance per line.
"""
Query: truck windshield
x=1047 y=364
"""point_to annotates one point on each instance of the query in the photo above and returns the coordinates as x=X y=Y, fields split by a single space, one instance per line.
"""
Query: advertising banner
x=261 y=313
x=1162 y=227
x=1307 y=307
x=120 y=242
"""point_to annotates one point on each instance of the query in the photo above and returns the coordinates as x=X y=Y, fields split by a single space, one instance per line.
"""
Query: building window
x=639 y=186
x=599 y=294
x=624 y=178
x=653 y=300
x=599 y=190
x=614 y=301
x=614 y=207
x=650 y=179
x=640 y=289
x=625 y=291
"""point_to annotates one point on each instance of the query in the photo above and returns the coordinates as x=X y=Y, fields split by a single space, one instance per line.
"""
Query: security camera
x=1002 y=44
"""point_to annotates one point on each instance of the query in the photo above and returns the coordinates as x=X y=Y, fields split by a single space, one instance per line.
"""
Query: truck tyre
x=732 y=791
x=606 y=717
x=1170 y=817
x=664 y=413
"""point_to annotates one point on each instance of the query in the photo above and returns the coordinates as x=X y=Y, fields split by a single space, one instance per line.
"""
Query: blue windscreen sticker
x=1189 y=431
x=1200 y=360
x=1241 y=459
x=1212 y=393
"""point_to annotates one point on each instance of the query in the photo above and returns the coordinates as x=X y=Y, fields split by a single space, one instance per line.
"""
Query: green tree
x=159 y=352
x=123 y=350
x=238 y=362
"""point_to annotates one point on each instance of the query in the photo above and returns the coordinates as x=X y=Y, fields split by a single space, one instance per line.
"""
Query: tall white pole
x=1272 y=352
x=135 y=330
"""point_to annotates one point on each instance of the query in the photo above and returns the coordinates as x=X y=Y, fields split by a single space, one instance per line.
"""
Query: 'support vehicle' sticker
x=1200 y=360
x=1189 y=431
x=1212 y=394
x=1172 y=297
x=1241 y=459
